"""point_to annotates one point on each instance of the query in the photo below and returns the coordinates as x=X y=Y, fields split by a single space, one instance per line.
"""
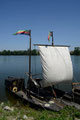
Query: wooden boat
x=57 y=68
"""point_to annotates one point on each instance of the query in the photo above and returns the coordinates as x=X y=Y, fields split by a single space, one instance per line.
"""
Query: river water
x=17 y=66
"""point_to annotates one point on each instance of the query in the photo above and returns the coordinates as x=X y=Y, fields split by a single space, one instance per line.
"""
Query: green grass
x=68 y=113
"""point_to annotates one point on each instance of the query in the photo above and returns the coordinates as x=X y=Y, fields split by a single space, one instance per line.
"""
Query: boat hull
x=31 y=97
x=49 y=102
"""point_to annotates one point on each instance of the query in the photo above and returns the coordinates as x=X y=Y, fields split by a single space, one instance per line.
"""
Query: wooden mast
x=51 y=34
x=52 y=39
x=29 y=80
x=30 y=56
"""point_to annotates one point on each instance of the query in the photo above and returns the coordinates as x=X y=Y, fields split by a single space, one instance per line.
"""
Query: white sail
x=56 y=65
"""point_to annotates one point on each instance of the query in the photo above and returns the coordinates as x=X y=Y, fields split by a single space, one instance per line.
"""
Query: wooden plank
x=51 y=45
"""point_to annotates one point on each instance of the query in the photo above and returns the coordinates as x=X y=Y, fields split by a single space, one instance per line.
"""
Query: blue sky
x=41 y=16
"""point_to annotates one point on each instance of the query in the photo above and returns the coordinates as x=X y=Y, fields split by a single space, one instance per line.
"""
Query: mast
x=30 y=56
x=27 y=32
x=52 y=39
x=29 y=80
x=51 y=35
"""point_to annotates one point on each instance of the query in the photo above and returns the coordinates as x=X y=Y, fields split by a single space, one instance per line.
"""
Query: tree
x=77 y=51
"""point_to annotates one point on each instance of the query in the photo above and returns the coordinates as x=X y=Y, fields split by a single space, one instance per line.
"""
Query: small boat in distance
x=57 y=68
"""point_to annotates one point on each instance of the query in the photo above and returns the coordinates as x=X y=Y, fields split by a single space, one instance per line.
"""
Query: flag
x=25 y=32
x=50 y=34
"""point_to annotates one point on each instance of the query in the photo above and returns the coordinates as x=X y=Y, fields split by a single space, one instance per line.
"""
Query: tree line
x=76 y=51
x=19 y=52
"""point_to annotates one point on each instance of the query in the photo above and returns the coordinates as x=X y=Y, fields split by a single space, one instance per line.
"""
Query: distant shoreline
x=19 y=52
x=76 y=52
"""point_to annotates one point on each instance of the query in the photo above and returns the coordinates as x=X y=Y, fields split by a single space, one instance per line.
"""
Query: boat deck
x=53 y=104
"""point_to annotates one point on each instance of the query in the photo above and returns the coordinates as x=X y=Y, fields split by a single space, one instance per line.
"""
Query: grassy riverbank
x=24 y=112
